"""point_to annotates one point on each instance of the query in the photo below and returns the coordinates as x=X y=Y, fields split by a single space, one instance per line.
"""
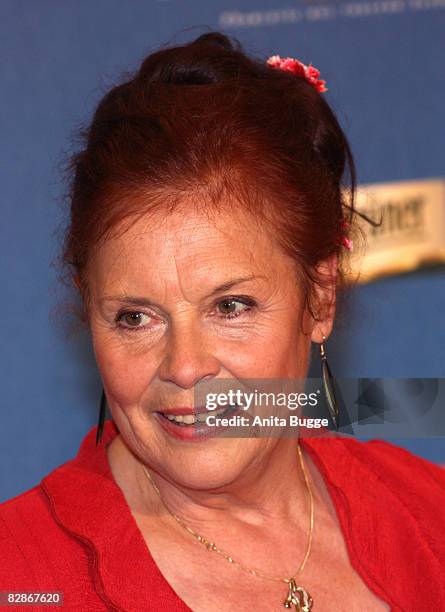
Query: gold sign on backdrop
x=412 y=232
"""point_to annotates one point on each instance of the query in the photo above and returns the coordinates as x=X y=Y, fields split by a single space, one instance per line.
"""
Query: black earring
x=100 y=424
x=329 y=387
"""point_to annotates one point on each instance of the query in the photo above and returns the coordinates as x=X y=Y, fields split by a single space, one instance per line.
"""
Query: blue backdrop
x=383 y=62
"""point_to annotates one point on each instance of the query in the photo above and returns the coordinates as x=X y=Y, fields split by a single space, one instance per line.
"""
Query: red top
x=74 y=532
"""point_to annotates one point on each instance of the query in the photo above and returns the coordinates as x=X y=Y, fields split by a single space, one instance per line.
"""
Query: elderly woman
x=207 y=240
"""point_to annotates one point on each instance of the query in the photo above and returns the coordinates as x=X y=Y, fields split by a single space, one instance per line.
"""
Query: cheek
x=285 y=358
x=126 y=374
x=275 y=350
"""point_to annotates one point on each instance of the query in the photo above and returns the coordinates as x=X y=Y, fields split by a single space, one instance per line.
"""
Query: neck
x=271 y=490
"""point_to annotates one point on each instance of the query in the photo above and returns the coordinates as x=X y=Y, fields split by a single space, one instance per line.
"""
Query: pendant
x=298 y=597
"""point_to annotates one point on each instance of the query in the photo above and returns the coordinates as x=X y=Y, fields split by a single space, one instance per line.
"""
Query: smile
x=185 y=420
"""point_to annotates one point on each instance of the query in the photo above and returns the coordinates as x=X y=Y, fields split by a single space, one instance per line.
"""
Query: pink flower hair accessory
x=290 y=64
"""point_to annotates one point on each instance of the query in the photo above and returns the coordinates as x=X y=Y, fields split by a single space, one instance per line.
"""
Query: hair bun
x=219 y=40
x=210 y=58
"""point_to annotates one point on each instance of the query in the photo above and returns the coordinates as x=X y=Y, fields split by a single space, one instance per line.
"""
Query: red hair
x=206 y=118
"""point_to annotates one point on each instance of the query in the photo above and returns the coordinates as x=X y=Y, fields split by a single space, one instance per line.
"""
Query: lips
x=189 y=416
x=190 y=424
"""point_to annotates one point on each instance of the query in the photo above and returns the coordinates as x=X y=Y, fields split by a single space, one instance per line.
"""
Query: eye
x=132 y=320
x=234 y=307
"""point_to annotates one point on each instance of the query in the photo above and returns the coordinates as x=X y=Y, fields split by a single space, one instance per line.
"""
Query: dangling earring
x=100 y=424
x=329 y=387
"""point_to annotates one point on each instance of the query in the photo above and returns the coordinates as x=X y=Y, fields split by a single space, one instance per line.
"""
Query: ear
x=324 y=299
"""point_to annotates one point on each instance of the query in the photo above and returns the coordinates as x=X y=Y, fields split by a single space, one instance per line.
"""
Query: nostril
x=186 y=370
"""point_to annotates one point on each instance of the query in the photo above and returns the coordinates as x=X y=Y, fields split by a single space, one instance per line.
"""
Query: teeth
x=190 y=419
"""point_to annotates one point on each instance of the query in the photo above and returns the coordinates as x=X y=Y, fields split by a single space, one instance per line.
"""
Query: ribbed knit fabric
x=74 y=532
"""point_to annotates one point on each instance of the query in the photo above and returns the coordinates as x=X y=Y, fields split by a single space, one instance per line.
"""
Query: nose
x=188 y=357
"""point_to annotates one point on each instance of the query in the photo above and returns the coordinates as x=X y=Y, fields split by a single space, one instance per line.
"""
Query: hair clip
x=290 y=64
x=346 y=242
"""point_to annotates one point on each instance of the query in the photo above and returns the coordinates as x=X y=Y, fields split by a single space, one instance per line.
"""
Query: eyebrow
x=231 y=283
x=131 y=299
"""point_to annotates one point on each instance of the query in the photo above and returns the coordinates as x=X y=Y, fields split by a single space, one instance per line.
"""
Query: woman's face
x=183 y=298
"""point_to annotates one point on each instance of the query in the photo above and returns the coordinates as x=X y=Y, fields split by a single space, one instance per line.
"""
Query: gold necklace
x=297 y=596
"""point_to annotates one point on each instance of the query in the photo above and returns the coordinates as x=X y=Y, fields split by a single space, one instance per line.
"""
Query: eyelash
x=242 y=299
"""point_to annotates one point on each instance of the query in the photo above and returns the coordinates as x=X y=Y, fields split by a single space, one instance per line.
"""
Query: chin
x=208 y=465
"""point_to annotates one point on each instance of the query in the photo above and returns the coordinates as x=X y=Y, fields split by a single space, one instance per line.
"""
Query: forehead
x=187 y=244
x=185 y=231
